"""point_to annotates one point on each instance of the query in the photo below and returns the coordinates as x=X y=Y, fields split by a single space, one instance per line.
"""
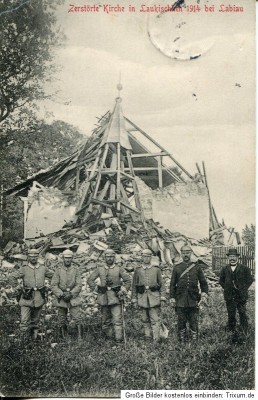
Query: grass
x=96 y=367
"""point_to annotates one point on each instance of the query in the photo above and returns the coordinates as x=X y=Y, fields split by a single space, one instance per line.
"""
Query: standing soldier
x=185 y=295
x=109 y=293
x=66 y=285
x=148 y=292
x=236 y=279
x=32 y=295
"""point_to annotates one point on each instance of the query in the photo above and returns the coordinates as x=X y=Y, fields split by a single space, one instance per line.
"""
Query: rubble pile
x=127 y=237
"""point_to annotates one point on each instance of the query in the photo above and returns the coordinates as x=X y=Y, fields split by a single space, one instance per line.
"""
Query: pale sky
x=193 y=108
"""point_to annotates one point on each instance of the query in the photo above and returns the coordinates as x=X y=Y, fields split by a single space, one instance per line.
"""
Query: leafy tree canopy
x=28 y=35
x=22 y=154
x=248 y=235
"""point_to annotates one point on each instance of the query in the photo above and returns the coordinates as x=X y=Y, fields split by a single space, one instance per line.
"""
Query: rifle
x=122 y=301
x=45 y=312
x=123 y=321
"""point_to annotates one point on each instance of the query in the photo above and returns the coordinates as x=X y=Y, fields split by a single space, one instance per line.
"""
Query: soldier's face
x=146 y=259
x=110 y=259
x=33 y=259
x=233 y=259
x=186 y=255
x=68 y=261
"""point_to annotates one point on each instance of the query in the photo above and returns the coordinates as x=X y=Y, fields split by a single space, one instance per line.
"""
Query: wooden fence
x=219 y=258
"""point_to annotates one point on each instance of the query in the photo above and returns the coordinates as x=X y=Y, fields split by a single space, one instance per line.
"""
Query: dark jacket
x=237 y=283
x=186 y=290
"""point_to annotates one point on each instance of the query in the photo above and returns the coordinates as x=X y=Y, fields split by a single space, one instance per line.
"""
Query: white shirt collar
x=109 y=266
x=146 y=266
x=33 y=266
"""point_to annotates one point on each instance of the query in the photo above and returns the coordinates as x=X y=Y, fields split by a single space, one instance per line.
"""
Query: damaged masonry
x=110 y=193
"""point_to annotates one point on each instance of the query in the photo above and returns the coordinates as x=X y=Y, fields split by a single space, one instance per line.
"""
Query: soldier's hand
x=67 y=296
x=204 y=299
x=135 y=305
x=173 y=302
x=162 y=303
x=122 y=293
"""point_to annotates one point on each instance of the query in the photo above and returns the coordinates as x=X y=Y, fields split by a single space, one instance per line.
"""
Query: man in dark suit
x=185 y=295
x=236 y=279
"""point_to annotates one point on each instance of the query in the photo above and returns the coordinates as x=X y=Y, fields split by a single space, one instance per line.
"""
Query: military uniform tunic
x=185 y=291
x=67 y=279
x=33 y=277
x=110 y=277
x=149 y=279
x=111 y=311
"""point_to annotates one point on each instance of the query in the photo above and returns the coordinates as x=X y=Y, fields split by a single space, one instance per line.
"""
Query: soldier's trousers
x=112 y=316
x=151 y=320
x=190 y=315
x=232 y=306
x=75 y=314
x=30 y=317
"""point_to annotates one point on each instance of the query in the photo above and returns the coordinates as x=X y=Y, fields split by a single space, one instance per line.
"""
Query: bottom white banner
x=187 y=394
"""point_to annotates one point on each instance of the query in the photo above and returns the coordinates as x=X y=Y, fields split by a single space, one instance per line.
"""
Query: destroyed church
x=115 y=190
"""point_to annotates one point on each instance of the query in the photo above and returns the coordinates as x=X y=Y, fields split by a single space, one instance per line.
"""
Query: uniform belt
x=34 y=288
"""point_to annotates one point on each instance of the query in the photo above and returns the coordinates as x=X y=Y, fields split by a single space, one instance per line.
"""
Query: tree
x=248 y=235
x=27 y=38
x=24 y=153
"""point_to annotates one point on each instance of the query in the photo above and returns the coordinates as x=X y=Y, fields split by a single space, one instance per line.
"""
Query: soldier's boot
x=63 y=332
x=79 y=331
x=118 y=333
x=194 y=336
x=25 y=335
x=35 y=334
x=182 y=336
x=108 y=332
x=156 y=333
x=147 y=331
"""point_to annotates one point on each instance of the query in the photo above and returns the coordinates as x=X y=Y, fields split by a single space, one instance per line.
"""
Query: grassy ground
x=96 y=367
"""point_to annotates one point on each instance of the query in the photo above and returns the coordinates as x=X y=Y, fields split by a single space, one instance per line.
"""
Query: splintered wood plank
x=124 y=194
x=100 y=169
x=86 y=188
x=113 y=164
x=128 y=228
x=103 y=192
x=129 y=207
x=118 y=178
x=112 y=194
x=135 y=188
x=160 y=172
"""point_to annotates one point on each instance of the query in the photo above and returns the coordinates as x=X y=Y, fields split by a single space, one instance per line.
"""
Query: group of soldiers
x=188 y=288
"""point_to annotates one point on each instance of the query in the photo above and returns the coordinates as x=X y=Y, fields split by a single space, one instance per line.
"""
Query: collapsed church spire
x=116 y=131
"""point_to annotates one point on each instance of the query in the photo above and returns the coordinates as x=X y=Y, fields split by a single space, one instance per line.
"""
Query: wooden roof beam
x=159 y=146
x=140 y=155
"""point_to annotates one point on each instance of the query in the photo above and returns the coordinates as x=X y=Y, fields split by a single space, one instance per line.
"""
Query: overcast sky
x=202 y=109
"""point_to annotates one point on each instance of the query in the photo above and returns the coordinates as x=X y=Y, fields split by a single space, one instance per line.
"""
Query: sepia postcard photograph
x=127 y=198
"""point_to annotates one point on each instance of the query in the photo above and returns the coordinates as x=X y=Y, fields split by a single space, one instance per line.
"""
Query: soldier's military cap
x=67 y=253
x=185 y=247
x=33 y=252
x=110 y=252
x=147 y=252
